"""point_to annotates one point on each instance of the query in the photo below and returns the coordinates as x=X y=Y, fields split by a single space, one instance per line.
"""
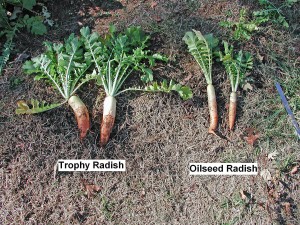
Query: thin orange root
x=232 y=110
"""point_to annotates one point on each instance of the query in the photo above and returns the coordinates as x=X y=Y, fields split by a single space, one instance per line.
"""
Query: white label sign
x=223 y=169
x=91 y=165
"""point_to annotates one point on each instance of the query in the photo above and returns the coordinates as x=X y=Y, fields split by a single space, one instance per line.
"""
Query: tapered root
x=213 y=110
x=108 y=120
x=232 y=109
x=81 y=114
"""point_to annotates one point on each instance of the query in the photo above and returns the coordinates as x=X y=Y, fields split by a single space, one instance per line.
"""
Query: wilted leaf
x=260 y=57
x=272 y=156
x=247 y=87
x=243 y=195
x=251 y=137
x=22 y=107
x=266 y=175
x=90 y=189
x=36 y=107
x=294 y=170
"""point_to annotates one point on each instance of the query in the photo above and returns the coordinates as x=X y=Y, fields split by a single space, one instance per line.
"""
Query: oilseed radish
x=236 y=66
x=201 y=48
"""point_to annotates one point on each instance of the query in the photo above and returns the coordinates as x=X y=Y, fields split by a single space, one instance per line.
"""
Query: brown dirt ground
x=158 y=135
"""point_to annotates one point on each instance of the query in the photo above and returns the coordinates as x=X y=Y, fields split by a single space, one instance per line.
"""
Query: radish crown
x=235 y=65
x=201 y=48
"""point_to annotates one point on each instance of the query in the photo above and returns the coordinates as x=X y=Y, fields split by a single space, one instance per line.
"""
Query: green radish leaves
x=117 y=55
x=242 y=29
x=34 y=107
x=28 y=4
x=184 y=92
x=62 y=65
x=35 y=25
x=201 y=48
x=273 y=13
x=235 y=65
x=112 y=59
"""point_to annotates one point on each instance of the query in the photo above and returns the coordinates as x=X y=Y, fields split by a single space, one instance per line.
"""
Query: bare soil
x=157 y=134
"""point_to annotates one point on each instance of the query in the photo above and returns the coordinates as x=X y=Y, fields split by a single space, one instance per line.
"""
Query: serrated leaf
x=291 y=2
x=64 y=65
x=160 y=57
x=8 y=46
x=85 y=32
x=35 y=25
x=183 y=91
x=148 y=75
x=36 y=107
x=272 y=13
x=235 y=65
x=201 y=51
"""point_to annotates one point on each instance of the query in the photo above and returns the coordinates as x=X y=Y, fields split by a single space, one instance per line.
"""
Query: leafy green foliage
x=242 y=29
x=129 y=50
x=8 y=46
x=236 y=65
x=63 y=65
x=35 y=25
x=184 y=92
x=272 y=13
x=117 y=55
x=28 y=4
x=201 y=48
x=34 y=107
x=12 y=22
x=18 y=19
